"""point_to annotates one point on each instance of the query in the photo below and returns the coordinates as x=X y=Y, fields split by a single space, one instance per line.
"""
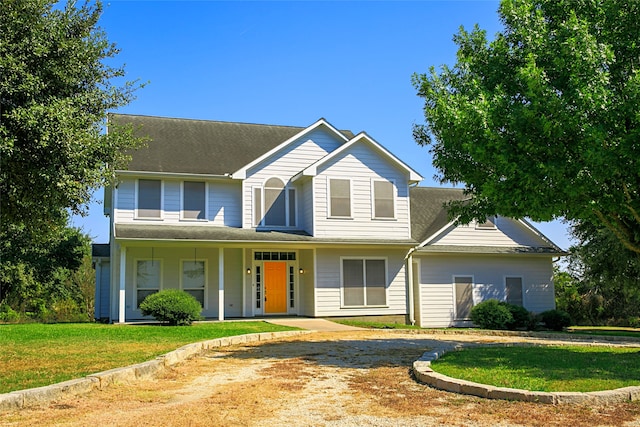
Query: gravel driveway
x=350 y=378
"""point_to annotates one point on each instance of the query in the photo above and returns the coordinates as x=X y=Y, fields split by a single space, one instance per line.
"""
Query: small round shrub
x=555 y=320
x=491 y=314
x=521 y=316
x=172 y=306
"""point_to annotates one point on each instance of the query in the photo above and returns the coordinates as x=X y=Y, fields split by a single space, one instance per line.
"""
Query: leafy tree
x=543 y=121
x=56 y=87
x=604 y=275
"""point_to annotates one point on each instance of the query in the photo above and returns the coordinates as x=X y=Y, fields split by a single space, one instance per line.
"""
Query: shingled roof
x=428 y=214
x=201 y=146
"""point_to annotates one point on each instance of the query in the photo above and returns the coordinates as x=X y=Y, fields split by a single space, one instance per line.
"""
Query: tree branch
x=623 y=235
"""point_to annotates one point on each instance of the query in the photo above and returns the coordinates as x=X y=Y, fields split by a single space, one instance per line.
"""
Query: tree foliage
x=602 y=285
x=56 y=87
x=543 y=121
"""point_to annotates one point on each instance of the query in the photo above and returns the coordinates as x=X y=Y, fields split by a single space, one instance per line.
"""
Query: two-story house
x=259 y=220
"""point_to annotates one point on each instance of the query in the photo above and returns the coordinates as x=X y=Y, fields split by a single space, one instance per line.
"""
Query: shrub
x=556 y=320
x=521 y=316
x=491 y=314
x=172 y=306
x=7 y=314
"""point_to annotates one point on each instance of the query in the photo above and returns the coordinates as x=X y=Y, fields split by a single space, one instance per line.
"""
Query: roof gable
x=428 y=213
x=187 y=146
x=312 y=170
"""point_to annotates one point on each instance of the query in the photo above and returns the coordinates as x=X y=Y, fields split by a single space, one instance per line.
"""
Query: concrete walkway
x=320 y=325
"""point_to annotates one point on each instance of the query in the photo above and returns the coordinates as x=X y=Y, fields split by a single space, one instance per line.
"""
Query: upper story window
x=194 y=200
x=339 y=198
x=274 y=205
x=383 y=199
x=149 y=198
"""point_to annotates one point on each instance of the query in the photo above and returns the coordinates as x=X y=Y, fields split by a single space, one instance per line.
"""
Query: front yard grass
x=552 y=368
x=34 y=355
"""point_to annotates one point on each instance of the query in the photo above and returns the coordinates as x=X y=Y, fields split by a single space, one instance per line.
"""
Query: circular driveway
x=348 y=378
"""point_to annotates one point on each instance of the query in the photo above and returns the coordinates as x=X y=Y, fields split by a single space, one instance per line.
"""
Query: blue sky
x=290 y=63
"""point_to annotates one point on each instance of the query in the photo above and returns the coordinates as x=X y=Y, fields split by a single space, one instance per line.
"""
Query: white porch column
x=410 y=289
x=221 y=284
x=123 y=276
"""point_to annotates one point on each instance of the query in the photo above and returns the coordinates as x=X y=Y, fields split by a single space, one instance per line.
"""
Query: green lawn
x=554 y=368
x=605 y=330
x=33 y=355
x=375 y=325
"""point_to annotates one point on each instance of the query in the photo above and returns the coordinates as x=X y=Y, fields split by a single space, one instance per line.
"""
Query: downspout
x=409 y=266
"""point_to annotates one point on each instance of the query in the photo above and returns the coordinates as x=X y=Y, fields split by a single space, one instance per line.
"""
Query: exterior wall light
x=301 y=271
x=248 y=270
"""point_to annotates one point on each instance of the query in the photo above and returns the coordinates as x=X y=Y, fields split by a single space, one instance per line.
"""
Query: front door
x=275 y=287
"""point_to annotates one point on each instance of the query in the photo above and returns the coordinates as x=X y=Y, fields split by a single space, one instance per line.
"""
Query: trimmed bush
x=521 y=316
x=172 y=306
x=491 y=314
x=556 y=320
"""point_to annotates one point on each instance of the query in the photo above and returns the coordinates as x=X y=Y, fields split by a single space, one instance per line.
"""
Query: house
x=258 y=220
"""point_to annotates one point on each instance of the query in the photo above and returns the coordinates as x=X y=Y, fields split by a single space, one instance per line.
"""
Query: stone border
x=45 y=395
x=424 y=374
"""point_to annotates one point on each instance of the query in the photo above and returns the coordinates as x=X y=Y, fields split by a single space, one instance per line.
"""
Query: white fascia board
x=538 y=233
x=429 y=239
x=312 y=170
x=242 y=172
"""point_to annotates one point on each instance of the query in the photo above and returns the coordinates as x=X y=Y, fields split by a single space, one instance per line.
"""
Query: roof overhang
x=233 y=235
x=312 y=170
x=176 y=175
x=489 y=250
x=242 y=172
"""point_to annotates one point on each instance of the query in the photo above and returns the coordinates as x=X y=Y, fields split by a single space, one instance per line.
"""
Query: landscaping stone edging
x=27 y=398
x=423 y=373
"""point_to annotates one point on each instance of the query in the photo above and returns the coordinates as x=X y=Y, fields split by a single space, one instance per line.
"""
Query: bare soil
x=323 y=379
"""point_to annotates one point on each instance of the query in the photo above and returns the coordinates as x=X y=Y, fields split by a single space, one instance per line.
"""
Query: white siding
x=328 y=291
x=489 y=272
x=233 y=277
x=305 y=211
x=223 y=209
x=306 y=285
x=361 y=164
x=508 y=232
x=286 y=164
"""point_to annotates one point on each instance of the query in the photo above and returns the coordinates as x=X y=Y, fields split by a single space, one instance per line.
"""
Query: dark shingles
x=201 y=146
x=233 y=234
x=428 y=214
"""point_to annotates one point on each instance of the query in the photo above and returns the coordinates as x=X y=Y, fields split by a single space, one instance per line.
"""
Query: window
x=193 y=200
x=513 y=287
x=194 y=279
x=364 y=282
x=340 y=198
x=148 y=276
x=149 y=198
x=464 y=296
x=274 y=203
x=383 y=199
x=279 y=205
x=489 y=223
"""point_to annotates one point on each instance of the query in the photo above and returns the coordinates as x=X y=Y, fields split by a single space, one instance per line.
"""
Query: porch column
x=121 y=297
x=221 y=284
x=410 y=289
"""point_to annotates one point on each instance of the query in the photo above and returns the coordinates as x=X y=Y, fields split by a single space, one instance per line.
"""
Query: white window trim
x=285 y=189
x=136 y=200
x=206 y=202
x=373 y=200
x=206 y=277
x=455 y=294
x=135 y=278
x=296 y=286
x=386 y=282
x=329 y=215
x=514 y=276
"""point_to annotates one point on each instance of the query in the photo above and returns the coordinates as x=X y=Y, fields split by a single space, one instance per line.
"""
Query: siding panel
x=489 y=272
x=508 y=232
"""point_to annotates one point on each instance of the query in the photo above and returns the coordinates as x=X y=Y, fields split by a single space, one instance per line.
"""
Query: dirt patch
x=324 y=379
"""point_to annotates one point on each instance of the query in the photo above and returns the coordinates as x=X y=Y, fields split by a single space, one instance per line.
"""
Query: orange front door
x=275 y=287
